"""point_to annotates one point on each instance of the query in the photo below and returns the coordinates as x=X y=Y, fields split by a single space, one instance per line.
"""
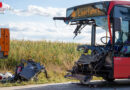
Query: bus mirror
x=117 y=24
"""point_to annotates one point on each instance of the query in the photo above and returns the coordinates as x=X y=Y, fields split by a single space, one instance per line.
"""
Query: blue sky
x=23 y=4
x=32 y=20
x=46 y=3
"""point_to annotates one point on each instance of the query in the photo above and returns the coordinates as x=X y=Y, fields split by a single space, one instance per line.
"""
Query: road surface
x=94 y=85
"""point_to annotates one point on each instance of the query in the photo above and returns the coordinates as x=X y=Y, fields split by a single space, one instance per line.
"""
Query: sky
x=32 y=20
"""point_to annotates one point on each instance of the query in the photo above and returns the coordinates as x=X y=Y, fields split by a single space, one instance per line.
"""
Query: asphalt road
x=94 y=85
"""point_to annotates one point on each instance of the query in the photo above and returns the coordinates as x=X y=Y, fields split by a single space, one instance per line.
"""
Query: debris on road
x=25 y=71
x=6 y=77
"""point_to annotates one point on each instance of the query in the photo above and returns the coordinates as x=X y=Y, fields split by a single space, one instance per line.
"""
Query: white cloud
x=37 y=31
x=36 y=10
x=40 y=31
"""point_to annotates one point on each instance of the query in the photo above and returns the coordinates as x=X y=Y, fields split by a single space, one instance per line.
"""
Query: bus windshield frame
x=87 y=11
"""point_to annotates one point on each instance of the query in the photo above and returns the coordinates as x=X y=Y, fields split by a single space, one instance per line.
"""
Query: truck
x=4 y=38
x=111 y=59
x=4 y=43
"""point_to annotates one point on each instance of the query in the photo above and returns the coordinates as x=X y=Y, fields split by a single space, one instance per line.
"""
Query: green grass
x=52 y=54
x=57 y=58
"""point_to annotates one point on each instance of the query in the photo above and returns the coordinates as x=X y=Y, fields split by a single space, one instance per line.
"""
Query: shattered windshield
x=86 y=11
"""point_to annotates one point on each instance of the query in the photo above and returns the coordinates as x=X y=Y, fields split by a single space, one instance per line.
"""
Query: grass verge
x=57 y=58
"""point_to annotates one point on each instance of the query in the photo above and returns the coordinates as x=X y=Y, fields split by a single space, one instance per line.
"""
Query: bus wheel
x=86 y=81
x=109 y=79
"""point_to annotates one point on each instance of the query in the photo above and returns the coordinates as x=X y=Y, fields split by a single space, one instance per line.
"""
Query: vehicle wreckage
x=112 y=59
x=25 y=71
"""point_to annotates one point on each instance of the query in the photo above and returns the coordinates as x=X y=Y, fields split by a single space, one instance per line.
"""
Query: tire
x=83 y=82
x=109 y=79
x=86 y=81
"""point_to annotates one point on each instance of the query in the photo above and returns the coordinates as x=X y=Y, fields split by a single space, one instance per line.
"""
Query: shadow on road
x=95 y=85
x=105 y=84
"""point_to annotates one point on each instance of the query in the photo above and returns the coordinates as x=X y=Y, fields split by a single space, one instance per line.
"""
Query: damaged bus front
x=102 y=62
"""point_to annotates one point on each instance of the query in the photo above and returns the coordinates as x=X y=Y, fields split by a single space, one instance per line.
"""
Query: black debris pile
x=25 y=71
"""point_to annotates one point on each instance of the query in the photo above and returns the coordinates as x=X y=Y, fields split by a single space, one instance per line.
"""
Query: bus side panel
x=121 y=67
